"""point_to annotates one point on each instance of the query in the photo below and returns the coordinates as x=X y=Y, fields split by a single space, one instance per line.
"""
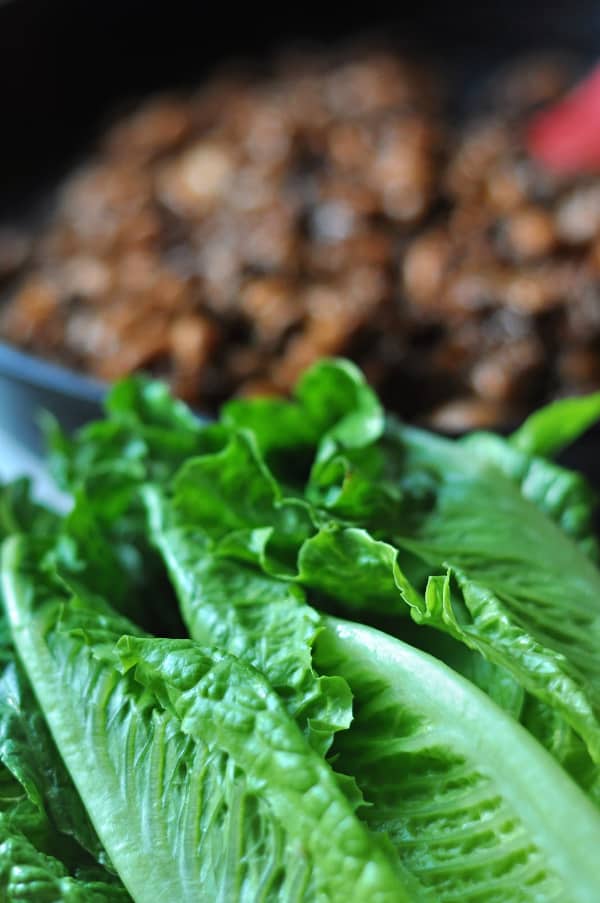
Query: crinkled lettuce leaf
x=145 y=434
x=475 y=547
x=513 y=586
x=332 y=400
x=260 y=619
x=145 y=431
x=48 y=847
x=475 y=807
x=197 y=780
x=233 y=494
x=385 y=507
x=541 y=720
x=323 y=500
x=563 y=495
x=40 y=787
x=27 y=874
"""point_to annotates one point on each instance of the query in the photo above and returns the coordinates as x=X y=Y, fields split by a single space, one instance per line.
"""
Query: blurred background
x=65 y=63
x=426 y=230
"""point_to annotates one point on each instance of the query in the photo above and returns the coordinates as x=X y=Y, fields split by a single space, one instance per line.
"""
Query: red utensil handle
x=566 y=138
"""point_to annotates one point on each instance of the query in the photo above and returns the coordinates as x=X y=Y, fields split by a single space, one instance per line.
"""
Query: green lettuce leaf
x=39 y=777
x=145 y=434
x=217 y=696
x=541 y=720
x=332 y=399
x=472 y=554
x=232 y=491
x=20 y=513
x=27 y=874
x=551 y=657
x=552 y=428
x=565 y=496
x=145 y=431
x=254 y=616
x=475 y=807
x=48 y=847
x=382 y=513
x=213 y=787
x=321 y=499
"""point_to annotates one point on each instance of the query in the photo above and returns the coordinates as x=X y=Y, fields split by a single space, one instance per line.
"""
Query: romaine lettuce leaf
x=20 y=513
x=382 y=513
x=552 y=428
x=232 y=491
x=472 y=554
x=48 y=847
x=527 y=599
x=145 y=430
x=27 y=874
x=197 y=780
x=146 y=434
x=210 y=586
x=475 y=807
x=553 y=658
x=254 y=616
x=41 y=788
x=332 y=399
x=541 y=720
x=322 y=500
x=216 y=697
x=565 y=496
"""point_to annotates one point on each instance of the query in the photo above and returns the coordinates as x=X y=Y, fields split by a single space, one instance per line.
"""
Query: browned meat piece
x=537 y=289
x=481 y=147
x=508 y=374
x=258 y=386
x=426 y=267
x=531 y=233
x=578 y=215
x=469 y=413
x=270 y=305
x=192 y=339
x=32 y=322
x=158 y=127
x=198 y=180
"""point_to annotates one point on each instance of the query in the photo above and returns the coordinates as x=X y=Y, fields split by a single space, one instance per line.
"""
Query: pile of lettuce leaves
x=303 y=653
